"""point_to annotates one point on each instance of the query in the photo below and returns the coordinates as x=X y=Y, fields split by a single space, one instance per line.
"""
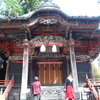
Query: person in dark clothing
x=69 y=92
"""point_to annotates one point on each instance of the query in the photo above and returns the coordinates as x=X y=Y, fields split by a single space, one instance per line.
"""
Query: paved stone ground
x=85 y=94
x=1 y=97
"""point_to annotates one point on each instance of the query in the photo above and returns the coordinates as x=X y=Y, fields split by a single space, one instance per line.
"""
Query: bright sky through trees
x=79 y=7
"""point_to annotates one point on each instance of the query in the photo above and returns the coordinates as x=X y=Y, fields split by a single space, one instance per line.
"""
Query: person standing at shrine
x=69 y=92
x=36 y=89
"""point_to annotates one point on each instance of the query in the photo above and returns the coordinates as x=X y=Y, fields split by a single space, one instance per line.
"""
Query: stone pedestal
x=23 y=96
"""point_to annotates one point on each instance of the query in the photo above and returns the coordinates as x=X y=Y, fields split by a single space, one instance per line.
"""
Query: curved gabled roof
x=80 y=25
x=30 y=25
x=45 y=8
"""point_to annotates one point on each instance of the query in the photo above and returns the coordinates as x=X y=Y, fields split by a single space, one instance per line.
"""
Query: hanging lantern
x=42 y=48
x=54 y=48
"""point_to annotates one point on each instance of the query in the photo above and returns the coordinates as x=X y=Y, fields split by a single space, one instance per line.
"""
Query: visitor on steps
x=69 y=92
x=36 y=89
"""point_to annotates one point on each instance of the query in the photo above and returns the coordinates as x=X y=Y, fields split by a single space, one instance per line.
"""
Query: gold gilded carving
x=71 y=42
x=31 y=50
x=48 y=39
x=25 y=43
x=66 y=50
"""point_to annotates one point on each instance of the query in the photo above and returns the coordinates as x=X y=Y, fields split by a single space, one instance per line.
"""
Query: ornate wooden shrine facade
x=49 y=26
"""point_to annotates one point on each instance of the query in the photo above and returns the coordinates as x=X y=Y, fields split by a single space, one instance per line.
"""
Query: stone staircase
x=50 y=93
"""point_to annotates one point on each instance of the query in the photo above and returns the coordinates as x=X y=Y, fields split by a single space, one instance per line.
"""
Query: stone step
x=1 y=97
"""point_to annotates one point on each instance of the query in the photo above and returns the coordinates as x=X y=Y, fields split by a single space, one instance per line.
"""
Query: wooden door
x=50 y=72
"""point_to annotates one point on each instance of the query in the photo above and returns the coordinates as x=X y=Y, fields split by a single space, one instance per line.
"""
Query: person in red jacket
x=36 y=88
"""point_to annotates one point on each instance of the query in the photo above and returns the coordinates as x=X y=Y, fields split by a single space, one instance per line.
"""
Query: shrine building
x=49 y=44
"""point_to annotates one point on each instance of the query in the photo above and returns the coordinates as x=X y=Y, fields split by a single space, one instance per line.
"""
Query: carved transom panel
x=80 y=57
x=48 y=21
x=49 y=55
x=48 y=39
x=52 y=55
x=45 y=28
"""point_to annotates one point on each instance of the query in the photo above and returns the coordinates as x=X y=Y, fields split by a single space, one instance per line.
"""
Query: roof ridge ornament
x=47 y=4
x=48 y=21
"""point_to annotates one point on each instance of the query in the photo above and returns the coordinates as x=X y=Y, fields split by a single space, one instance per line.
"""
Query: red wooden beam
x=49 y=59
x=46 y=33
x=48 y=44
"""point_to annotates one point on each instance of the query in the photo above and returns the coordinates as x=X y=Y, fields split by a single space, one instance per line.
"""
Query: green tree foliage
x=30 y=5
x=96 y=72
x=19 y=7
x=13 y=8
